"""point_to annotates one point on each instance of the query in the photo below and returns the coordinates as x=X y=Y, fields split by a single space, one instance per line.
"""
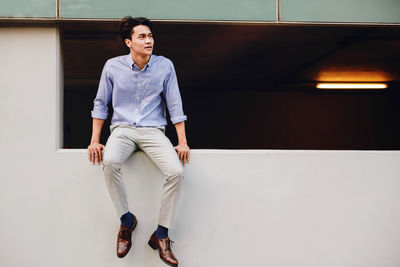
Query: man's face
x=142 y=41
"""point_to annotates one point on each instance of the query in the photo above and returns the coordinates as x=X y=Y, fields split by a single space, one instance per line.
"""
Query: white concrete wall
x=237 y=208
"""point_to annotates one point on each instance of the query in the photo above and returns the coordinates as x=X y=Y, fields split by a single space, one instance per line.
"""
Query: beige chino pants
x=123 y=141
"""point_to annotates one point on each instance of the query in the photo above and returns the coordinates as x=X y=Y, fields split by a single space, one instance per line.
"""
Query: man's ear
x=128 y=43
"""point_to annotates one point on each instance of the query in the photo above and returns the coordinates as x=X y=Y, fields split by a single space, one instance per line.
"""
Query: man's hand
x=182 y=148
x=95 y=150
x=183 y=153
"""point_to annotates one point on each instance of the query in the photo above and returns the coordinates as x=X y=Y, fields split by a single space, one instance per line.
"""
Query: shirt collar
x=132 y=63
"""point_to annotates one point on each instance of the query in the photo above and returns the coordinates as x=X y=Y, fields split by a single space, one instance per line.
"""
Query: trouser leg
x=160 y=150
x=118 y=148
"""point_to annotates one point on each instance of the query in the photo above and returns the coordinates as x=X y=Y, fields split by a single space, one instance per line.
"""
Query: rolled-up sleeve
x=173 y=96
x=104 y=93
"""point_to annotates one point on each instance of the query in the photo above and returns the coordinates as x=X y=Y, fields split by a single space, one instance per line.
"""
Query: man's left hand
x=183 y=151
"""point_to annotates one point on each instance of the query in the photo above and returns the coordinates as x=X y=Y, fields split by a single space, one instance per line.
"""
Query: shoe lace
x=125 y=234
x=169 y=243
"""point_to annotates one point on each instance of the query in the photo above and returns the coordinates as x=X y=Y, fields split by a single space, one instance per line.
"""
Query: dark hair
x=127 y=24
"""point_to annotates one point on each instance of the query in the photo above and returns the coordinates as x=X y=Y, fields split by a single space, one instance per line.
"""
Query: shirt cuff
x=177 y=119
x=99 y=115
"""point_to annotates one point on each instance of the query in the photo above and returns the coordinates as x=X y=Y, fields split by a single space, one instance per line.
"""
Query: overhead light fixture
x=352 y=85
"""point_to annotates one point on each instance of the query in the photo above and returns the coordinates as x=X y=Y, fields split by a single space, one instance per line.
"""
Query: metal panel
x=369 y=11
x=263 y=10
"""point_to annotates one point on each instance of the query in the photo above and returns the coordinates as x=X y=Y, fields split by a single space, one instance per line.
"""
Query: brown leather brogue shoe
x=164 y=249
x=124 y=240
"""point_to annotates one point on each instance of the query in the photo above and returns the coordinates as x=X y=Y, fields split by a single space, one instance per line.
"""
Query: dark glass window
x=252 y=86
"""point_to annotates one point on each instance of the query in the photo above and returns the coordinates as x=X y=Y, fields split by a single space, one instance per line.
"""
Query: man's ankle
x=161 y=232
x=127 y=219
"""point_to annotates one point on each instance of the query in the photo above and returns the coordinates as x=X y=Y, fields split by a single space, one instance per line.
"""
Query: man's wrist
x=95 y=141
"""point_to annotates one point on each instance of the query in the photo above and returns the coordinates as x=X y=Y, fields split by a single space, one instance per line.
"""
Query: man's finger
x=183 y=159
x=187 y=157
x=93 y=157
x=90 y=156
x=96 y=154
x=100 y=154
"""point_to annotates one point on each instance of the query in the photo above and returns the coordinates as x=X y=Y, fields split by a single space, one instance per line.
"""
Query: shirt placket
x=139 y=86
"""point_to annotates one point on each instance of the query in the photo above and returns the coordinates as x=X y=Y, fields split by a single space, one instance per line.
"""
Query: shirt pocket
x=154 y=87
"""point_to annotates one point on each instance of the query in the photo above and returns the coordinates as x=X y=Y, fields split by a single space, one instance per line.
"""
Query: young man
x=140 y=85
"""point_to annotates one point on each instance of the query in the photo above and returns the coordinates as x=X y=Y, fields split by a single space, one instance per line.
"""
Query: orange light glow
x=351 y=86
x=348 y=76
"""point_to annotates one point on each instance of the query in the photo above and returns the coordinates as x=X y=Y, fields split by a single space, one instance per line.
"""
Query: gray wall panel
x=28 y=8
x=380 y=11
x=172 y=9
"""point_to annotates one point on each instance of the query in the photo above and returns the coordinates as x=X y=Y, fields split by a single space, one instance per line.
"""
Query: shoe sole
x=133 y=228
x=154 y=246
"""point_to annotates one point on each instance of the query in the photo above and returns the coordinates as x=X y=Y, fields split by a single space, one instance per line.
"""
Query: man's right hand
x=95 y=150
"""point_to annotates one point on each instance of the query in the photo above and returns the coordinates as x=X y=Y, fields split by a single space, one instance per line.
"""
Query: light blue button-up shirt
x=139 y=97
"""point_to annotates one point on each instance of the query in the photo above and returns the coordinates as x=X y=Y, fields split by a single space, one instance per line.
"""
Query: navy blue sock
x=127 y=219
x=161 y=232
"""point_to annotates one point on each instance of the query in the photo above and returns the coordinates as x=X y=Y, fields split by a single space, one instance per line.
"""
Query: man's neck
x=140 y=60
